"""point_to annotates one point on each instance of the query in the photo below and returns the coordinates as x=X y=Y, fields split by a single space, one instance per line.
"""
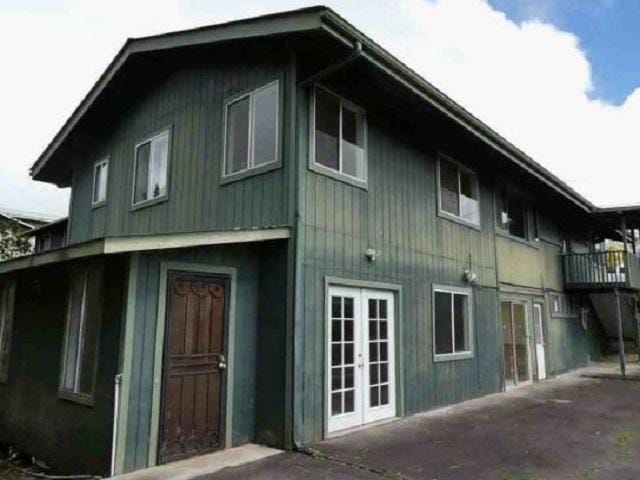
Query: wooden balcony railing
x=598 y=270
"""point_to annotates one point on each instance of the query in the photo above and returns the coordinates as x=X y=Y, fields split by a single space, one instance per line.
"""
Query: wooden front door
x=194 y=367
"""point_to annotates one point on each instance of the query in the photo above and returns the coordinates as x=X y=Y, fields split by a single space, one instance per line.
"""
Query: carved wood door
x=194 y=367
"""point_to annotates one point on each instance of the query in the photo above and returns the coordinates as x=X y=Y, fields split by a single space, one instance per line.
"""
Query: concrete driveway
x=570 y=427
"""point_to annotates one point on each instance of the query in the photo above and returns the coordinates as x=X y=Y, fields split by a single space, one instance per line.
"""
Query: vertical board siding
x=251 y=265
x=190 y=101
x=396 y=215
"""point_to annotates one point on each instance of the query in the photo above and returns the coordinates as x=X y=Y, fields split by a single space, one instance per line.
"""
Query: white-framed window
x=80 y=342
x=7 y=301
x=151 y=168
x=251 y=130
x=458 y=192
x=452 y=323
x=513 y=214
x=100 y=182
x=563 y=305
x=339 y=136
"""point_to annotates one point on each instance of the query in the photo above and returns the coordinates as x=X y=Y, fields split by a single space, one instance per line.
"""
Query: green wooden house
x=278 y=233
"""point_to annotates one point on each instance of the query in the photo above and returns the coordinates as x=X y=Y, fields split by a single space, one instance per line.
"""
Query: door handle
x=222 y=362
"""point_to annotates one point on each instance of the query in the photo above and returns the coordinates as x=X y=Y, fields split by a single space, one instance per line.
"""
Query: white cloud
x=529 y=81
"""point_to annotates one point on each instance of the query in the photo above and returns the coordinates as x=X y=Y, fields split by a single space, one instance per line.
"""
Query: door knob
x=222 y=363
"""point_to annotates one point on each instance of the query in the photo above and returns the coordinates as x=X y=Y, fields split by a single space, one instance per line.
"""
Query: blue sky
x=609 y=32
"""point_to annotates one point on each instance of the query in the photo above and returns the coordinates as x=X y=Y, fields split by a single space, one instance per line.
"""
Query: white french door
x=538 y=328
x=361 y=357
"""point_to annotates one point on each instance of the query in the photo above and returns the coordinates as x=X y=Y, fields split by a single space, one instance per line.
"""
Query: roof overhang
x=309 y=20
x=141 y=243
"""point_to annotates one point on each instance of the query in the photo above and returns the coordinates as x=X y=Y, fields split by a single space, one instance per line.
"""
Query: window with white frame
x=81 y=341
x=564 y=305
x=340 y=136
x=513 y=214
x=251 y=137
x=452 y=323
x=151 y=168
x=100 y=179
x=7 y=299
x=459 y=192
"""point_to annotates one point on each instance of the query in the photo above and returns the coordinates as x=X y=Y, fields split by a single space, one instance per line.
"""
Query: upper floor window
x=459 y=194
x=340 y=136
x=151 y=168
x=251 y=137
x=452 y=323
x=512 y=215
x=7 y=299
x=81 y=341
x=100 y=179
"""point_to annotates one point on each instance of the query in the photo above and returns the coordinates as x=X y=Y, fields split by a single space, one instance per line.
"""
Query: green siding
x=247 y=259
x=190 y=100
x=68 y=436
x=416 y=249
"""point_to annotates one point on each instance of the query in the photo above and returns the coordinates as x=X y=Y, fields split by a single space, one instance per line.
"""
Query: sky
x=559 y=79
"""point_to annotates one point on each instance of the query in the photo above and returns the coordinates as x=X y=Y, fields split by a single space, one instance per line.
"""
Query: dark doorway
x=194 y=366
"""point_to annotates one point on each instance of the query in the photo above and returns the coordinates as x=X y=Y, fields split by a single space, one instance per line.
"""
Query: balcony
x=601 y=270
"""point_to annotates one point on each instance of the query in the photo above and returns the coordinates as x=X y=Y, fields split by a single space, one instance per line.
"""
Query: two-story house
x=277 y=233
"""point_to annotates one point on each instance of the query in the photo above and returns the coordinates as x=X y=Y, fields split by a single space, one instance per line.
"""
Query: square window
x=100 y=178
x=459 y=192
x=251 y=130
x=151 y=168
x=513 y=216
x=339 y=137
x=452 y=323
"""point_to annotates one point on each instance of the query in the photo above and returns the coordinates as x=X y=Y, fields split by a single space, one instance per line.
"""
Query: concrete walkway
x=203 y=465
x=570 y=427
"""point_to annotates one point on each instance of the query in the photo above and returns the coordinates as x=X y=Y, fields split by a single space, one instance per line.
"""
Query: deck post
x=623 y=366
x=636 y=314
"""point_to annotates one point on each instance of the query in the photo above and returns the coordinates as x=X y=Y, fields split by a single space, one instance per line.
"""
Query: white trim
x=165 y=268
x=318 y=167
x=165 y=131
x=251 y=130
x=453 y=290
x=362 y=413
x=104 y=163
x=452 y=216
x=112 y=245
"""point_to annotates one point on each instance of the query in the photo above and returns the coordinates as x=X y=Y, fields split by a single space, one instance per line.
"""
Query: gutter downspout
x=298 y=232
x=116 y=420
x=353 y=56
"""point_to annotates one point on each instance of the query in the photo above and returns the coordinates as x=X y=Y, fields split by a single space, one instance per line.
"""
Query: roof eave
x=305 y=19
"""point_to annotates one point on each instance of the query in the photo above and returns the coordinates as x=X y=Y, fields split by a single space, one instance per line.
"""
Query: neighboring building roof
x=28 y=220
x=307 y=20
x=55 y=225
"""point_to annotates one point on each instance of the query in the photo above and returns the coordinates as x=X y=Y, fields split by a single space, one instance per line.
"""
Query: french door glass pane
x=507 y=343
x=342 y=355
x=520 y=339
x=378 y=353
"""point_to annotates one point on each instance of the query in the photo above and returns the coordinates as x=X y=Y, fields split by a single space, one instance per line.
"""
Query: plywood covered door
x=194 y=367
